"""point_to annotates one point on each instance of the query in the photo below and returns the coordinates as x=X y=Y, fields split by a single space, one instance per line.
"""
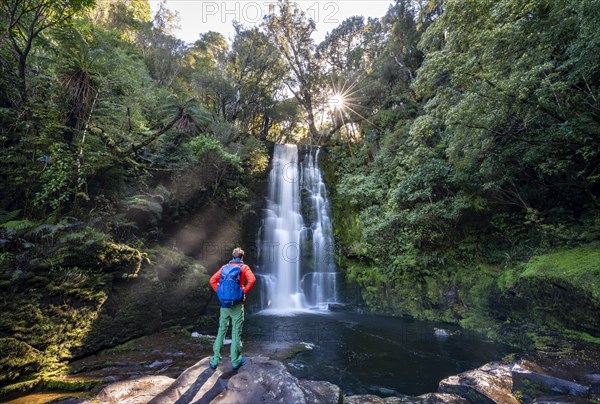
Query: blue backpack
x=229 y=290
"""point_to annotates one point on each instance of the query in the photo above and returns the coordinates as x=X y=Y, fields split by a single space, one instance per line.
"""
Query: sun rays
x=343 y=105
x=337 y=102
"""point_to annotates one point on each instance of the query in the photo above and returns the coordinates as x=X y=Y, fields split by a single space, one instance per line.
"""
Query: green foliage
x=18 y=225
x=481 y=154
x=203 y=145
x=8 y=216
x=114 y=134
x=58 y=178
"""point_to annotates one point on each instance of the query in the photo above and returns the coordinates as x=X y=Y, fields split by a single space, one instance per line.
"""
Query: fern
x=45 y=229
x=87 y=234
x=8 y=216
x=18 y=225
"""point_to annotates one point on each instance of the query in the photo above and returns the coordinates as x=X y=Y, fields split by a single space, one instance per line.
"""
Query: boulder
x=259 y=380
x=145 y=211
x=137 y=391
x=533 y=380
x=364 y=399
x=489 y=384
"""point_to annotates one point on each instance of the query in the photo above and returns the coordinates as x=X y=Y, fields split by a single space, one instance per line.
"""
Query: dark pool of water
x=366 y=354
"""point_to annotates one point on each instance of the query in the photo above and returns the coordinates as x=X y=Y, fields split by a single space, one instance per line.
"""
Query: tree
x=352 y=46
x=349 y=54
x=291 y=31
x=513 y=89
x=238 y=84
x=257 y=71
x=124 y=16
x=163 y=52
x=25 y=20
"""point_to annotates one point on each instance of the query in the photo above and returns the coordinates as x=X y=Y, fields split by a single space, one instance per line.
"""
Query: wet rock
x=533 y=380
x=441 y=332
x=364 y=399
x=439 y=398
x=491 y=383
x=430 y=398
x=595 y=383
x=137 y=391
x=158 y=363
x=562 y=400
x=323 y=392
x=338 y=307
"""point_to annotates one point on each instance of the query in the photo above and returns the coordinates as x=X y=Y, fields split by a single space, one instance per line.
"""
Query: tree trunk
x=314 y=133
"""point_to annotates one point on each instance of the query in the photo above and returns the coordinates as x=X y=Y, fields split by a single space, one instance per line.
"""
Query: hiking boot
x=240 y=365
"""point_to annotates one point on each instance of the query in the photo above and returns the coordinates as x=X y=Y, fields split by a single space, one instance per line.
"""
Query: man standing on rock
x=232 y=282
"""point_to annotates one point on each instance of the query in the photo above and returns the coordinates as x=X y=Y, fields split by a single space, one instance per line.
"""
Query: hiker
x=232 y=282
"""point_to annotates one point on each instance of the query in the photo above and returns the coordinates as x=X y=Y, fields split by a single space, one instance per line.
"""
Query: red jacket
x=247 y=279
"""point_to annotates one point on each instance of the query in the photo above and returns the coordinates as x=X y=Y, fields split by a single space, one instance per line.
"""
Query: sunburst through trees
x=342 y=108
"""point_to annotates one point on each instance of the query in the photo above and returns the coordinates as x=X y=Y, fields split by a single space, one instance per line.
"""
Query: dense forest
x=462 y=145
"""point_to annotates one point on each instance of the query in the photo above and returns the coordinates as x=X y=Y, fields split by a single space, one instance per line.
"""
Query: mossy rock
x=561 y=288
x=121 y=258
x=105 y=255
x=183 y=282
x=131 y=310
x=551 y=301
x=145 y=212
x=578 y=266
x=62 y=384
x=21 y=387
x=17 y=358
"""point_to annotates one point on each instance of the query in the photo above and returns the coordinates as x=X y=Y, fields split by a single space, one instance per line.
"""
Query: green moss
x=433 y=290
x=580 y=335
x=508 y=278
x=545 y=340
x=20 y=387
x=52 y=384
x=16 y=359
x=71 y=384
x=580 y=266
x=371 y=283
x=127 y=260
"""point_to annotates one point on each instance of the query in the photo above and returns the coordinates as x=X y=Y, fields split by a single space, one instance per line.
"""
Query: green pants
x=236 y=313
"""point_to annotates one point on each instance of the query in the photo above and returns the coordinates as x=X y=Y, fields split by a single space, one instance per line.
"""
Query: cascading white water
x=280 y=255
x=320 y=284
x=296 y=242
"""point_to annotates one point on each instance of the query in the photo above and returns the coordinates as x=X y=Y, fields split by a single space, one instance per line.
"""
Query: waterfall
x=297 y=270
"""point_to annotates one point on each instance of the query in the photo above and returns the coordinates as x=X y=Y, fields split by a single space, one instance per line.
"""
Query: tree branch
x=153 y=137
